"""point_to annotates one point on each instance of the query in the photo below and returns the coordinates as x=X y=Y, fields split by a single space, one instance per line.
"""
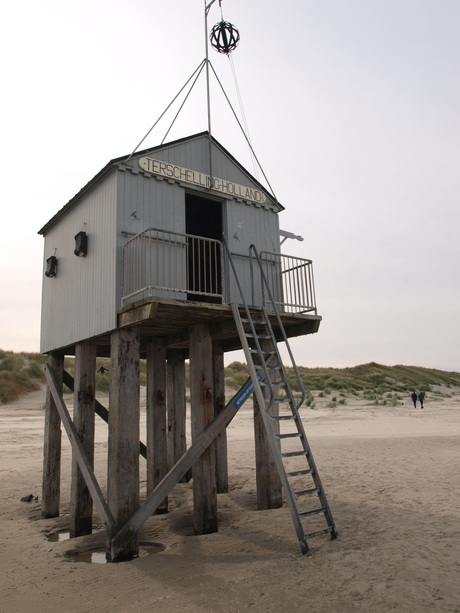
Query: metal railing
x=291 y=281
x=264 y=360
x=171 y=264
x=178 y=266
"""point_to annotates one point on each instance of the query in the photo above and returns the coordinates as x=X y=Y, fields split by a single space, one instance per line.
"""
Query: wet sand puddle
x=96 y=554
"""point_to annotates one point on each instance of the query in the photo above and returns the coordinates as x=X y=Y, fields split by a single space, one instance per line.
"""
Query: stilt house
x=170 y=254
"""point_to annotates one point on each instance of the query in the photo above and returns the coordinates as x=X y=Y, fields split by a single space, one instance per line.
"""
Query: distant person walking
x=414 y=399
x=421 y=398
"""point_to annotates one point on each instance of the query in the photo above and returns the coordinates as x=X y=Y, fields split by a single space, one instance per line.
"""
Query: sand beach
x=391 y=474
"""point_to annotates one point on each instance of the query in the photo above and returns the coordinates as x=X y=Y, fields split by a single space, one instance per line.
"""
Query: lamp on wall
x=287 y=235
x=81 y=244
x=51 y=267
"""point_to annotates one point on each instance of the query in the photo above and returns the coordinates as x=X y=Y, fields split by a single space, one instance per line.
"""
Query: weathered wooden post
x=176 y=403
x=202 y=414
x=81 y=503
x=123 y=444
x=51 y=487
x=219 y=405
x=157 y=461
x=269 y=491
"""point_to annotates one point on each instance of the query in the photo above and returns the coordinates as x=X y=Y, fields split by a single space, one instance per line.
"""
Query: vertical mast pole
x=207 y=8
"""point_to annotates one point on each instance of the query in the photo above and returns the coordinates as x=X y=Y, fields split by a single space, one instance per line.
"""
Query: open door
x=203 y=218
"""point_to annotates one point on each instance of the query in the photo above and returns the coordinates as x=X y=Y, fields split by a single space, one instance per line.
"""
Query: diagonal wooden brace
x=100 y=409
x=83 y=462
x=138 y=519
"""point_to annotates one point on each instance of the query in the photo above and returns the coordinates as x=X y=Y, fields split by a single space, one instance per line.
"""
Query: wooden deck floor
x=171 y=320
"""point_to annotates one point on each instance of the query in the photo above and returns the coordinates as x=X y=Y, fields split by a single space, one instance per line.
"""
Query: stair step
x=264 y=351
x=312 y=512
x=282 y=417
x=318 y=532
x=297 y=473
x=315 y=490
x=261 y=336
x=292 y=454
x=289 y=435
x=256 y=322
x=279 y=383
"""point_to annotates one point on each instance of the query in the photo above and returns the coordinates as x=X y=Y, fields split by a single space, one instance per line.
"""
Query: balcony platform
x=171 y=320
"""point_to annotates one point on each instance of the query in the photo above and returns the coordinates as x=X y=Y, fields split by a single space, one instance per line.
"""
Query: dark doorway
x=203 y=218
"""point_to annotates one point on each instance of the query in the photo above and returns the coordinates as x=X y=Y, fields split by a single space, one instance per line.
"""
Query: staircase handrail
x=248 y=315
x=280 y=323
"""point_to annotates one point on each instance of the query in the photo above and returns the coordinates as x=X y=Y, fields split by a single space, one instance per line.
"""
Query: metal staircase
x=286 y=436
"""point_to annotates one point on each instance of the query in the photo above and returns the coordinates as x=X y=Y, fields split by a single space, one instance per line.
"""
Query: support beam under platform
x=219 y=405
x=123 y=444
x=51 y=487
x=202 y=414
x=269 y=490
x=81 y=503
x=157 y=458
x=176 y=404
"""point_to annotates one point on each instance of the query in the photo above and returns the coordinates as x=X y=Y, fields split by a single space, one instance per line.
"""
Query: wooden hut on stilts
x=168 y=254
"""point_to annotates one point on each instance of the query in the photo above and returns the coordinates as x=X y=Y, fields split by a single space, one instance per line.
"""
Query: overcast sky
x=353 y=109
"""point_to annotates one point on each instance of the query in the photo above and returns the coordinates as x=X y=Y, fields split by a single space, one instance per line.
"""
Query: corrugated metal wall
x=80 y=302
x=145 y=201
x=83 y=300
x=249 y=224
x=193 y=154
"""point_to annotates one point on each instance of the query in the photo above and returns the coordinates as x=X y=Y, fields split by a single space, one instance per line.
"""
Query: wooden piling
x=176 y=403
x=219 y=405
x=202 y=414
x=269 y=490
x=51 y=485
x=123 y=444
x=157 y=460
x=81 y=503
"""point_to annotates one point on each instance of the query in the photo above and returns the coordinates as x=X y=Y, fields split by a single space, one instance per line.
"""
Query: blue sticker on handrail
x=245 y=393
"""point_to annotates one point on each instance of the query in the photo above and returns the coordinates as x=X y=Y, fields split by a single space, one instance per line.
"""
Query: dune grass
x=21 y=373
x=374 y=377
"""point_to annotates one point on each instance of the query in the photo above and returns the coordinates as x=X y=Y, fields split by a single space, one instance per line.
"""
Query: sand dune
x=392 y=478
